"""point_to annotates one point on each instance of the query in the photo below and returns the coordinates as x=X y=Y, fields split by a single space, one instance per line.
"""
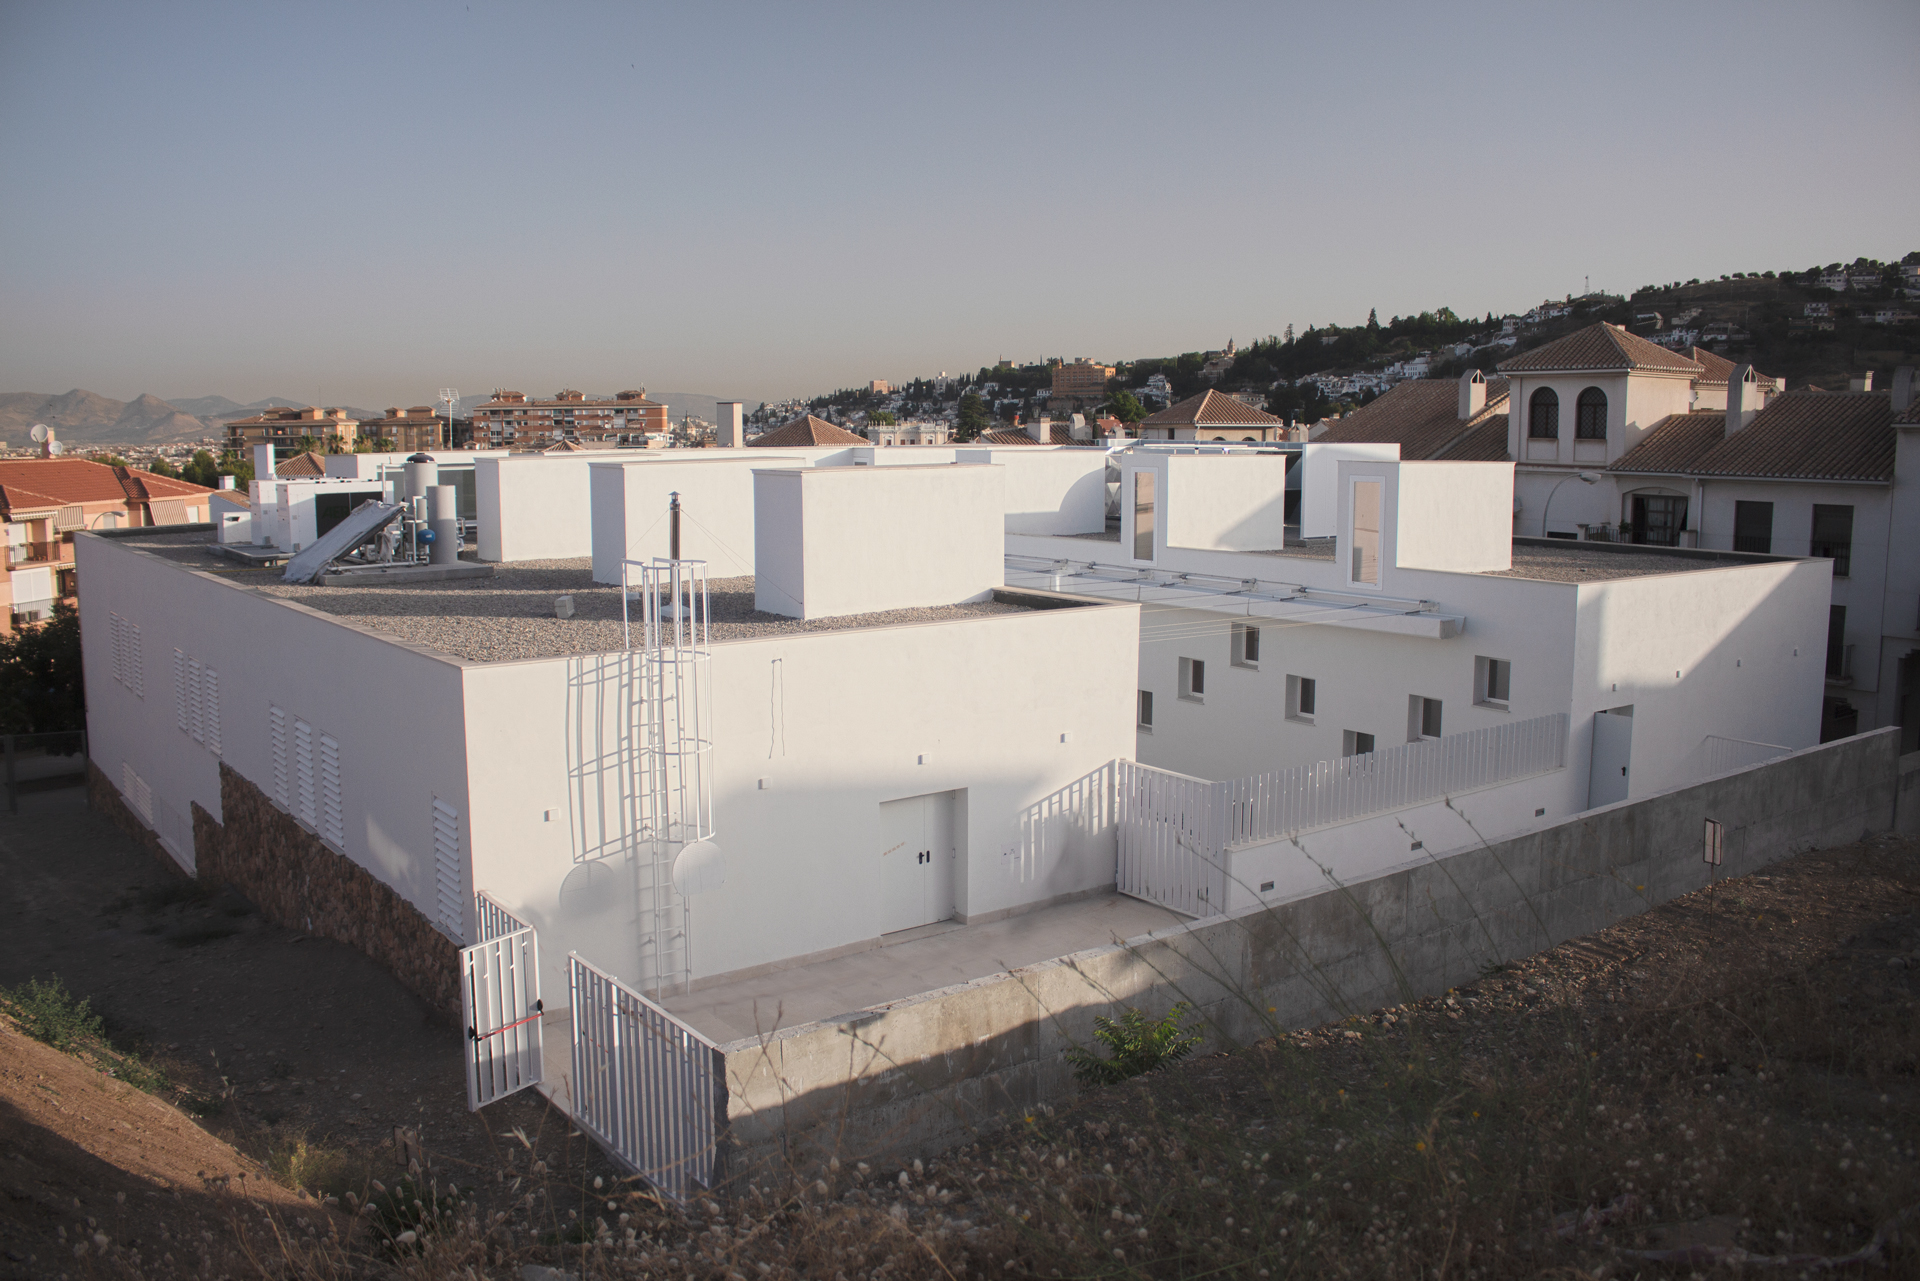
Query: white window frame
x=1240 y=634
x=1418 y=706
x=1485 y=669
x=1193 y=680
x=1296 y=686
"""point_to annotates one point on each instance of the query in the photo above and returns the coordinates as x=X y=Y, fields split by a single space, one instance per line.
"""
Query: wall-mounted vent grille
x=180 y=690
x=448 y=869
x=277 y=729
x=196 y=725
x=138 y=794
x=331 y=826
x=303 y=795
x=126 y=655
x=210 y=704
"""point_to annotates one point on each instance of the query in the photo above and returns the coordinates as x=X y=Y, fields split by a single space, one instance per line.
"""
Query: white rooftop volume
x=1437 y=515
x=860 y=540
x=1228 y=501
x=1049 y=491
x=1320 y=482
x=629 y=499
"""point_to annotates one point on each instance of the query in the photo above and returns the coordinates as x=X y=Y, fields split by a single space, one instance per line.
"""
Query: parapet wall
x=937 y=1069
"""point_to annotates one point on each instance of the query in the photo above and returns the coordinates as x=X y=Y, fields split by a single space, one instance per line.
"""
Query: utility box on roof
x=833 y=541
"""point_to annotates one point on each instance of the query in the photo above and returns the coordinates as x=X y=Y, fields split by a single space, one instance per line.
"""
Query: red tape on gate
x=476 y=1035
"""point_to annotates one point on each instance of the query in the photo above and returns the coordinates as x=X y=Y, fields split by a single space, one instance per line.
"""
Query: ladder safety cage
x=500 y=989
x=675 y=796
x=647 y=1087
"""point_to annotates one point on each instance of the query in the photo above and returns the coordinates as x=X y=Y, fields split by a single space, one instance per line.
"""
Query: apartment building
x=45 y=502
x=1078 y=385
x=285 y=429
x=410 y=430
x=510 y=420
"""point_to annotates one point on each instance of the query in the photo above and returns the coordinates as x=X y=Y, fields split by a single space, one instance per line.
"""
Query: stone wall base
x=105 y=799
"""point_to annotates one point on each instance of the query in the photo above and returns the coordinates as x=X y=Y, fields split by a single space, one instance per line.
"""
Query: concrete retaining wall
x=1906 y=815
x=936 y=1069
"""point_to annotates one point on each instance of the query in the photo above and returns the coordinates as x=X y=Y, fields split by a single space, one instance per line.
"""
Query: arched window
x=1543 y=415
x=1590 y=415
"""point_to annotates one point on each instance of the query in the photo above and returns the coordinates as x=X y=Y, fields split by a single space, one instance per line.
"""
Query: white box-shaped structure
x=1215 y=502
x=291 y=514
x=859 y=540
x=1049 y=491
x=1320 y=482
x=1455 y=516
x=629 y=500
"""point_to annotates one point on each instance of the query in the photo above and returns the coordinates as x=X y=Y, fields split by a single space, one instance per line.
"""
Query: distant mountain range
x=82 y=417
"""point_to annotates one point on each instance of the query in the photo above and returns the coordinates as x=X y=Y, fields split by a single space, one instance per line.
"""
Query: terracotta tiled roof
x=1422 y=416
x=1719 y=369
x=31 y=483
x=806 y=430
x=1676 y=443
x=1484 y=443
x=1212 y=409
x=1057 y=434
x=306 y=463
x=1599 y=347
x=1842 y=436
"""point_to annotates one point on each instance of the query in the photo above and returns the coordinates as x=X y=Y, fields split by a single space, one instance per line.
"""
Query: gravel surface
x=510 y=615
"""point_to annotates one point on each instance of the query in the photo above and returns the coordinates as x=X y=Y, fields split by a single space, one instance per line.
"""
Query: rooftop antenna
x=449 y=396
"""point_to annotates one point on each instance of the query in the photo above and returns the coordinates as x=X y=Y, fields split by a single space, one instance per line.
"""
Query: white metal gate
x=1170 y=839
x=647 y=1087
x=500 y=982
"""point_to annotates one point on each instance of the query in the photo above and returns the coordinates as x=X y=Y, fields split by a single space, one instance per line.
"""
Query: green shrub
x=48 y=1012
x=1135 y=1046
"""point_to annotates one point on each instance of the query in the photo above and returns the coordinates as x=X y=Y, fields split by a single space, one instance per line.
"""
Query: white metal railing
x=1290 y=800
x=647 y=1087
x=1174 y=830
x=500 y=992
x=1724 y=755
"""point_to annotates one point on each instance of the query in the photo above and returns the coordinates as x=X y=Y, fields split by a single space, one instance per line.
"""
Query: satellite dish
x=700 y=867
x=39 y=433
x=56 y=448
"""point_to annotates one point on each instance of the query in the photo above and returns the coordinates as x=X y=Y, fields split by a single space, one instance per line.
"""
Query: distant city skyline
x=368 y=202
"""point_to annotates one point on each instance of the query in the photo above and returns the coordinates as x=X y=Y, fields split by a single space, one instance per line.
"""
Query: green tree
x=161 y=467
x=308 y=445
x=882 y=418
x=109 y=460
x=41 y=686
x=972 y=418
x=201 y=469
x=1126 y=406
x=237 y=465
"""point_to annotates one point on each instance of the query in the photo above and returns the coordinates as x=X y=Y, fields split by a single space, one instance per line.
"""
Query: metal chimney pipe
x=673 y=525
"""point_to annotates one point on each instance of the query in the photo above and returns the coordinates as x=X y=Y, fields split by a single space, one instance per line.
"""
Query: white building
x=1422 y=618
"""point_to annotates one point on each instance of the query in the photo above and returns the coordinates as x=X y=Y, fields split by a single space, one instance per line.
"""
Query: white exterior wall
x=533 y=507
x=1320 y=482
x=1737 y=651
x=855 y=540
x=1229 y=502
x=1049 y=491
x=627 y=504
x=1454 y=516
x=395 y=710
x=803 y=853
x=1635 y=404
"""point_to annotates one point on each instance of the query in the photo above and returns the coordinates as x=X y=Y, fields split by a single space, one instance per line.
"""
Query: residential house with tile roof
x=1212 y=416
x=1463 y=419
x=44 y=501
x=804 y=431
x=1812 y=473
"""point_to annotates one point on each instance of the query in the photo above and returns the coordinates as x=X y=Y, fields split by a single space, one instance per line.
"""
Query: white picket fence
x=648 y=1088
x=500 y=989
x=1174 y=830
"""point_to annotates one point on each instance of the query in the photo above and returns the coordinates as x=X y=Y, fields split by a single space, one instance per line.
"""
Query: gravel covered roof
x=510 y=616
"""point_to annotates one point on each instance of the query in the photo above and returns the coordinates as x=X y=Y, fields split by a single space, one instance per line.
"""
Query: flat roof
x=1569 y=561
x=510 y=616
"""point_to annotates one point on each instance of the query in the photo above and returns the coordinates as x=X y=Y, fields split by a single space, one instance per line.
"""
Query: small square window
x=1146 y=709
x=1423 y=718
x=1354 y=743
x=1246 y=645
x=1193 y=679
x=1492 y=678
x=1301 y=691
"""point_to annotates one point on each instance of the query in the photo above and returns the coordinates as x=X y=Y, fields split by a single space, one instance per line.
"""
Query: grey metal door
x=1609 y=779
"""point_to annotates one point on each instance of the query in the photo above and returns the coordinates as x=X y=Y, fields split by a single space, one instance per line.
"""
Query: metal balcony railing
x=39 y=553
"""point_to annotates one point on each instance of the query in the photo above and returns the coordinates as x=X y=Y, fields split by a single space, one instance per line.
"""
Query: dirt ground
x=279 y=1036
x=1730 y=1075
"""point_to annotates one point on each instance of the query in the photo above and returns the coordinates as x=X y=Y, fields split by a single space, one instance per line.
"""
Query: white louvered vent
x=303 y=797
x=448 y=869
x=277 y=725
x=119 y=627
x=137 y=681
x=195 y=724
x=331 y=826
x=138 y=794
x=210 y=708
x=180 y=690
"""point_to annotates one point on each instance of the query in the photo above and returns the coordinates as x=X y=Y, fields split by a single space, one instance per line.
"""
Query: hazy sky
x=368 y=202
